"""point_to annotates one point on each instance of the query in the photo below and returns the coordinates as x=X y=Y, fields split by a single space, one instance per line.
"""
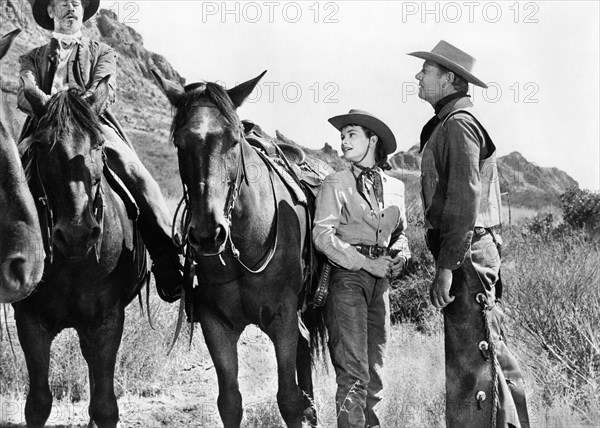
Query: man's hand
x=440 y=288
x=379 y=268
x=397 y=265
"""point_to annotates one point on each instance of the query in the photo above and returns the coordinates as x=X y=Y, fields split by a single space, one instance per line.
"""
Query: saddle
x=303 y=175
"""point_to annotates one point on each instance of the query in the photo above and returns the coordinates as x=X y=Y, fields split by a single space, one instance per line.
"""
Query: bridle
x=183 y=211
x=46 y=213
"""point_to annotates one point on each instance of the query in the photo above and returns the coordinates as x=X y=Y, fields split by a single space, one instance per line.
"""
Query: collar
x=357 y=169
x=454 y=104
x=448 y=98
x=67 y=39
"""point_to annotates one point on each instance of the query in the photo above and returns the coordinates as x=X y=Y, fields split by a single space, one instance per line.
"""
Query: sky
x=540 y=60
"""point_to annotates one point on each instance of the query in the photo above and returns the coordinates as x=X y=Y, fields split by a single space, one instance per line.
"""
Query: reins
x=47 y=215
x=183 y=213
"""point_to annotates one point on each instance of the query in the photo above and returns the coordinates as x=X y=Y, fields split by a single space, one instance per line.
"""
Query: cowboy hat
x=363 y=118
x=453 y=59
x=40 y=12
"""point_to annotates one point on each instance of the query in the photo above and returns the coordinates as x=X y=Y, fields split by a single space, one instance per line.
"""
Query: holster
x=320 y=295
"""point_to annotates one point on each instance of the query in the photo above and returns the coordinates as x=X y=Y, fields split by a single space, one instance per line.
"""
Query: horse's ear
x=241 y=91
x=7 y=40
x=97 y=100
x=36 y=98
x=172 y=90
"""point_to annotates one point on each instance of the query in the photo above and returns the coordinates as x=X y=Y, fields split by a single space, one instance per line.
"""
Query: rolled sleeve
x=328 y=212
x=463 y=192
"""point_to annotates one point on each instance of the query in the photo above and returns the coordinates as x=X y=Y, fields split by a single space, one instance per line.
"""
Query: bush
x=409 y=295
x=542 y=225
x=581 y=208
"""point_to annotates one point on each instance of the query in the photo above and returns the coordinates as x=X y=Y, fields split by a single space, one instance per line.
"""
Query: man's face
x=431 y=83
x=67 y=15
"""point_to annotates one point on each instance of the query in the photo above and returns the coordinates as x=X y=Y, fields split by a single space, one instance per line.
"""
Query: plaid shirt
x=343 y=217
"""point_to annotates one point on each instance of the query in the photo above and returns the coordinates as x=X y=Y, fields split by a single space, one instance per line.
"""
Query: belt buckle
x=480 y=231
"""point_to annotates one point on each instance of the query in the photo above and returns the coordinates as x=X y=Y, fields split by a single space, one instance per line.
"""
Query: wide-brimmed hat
x=363 y=118
x=40 y=12
x=453 y=59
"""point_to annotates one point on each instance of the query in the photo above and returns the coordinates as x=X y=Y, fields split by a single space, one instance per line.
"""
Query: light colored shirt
x=66 y=46
x=344 y=218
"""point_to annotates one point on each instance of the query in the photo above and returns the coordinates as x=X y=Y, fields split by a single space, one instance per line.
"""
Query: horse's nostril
x=95 y=235
x=220 y=234
x=192 y=238
x=59 y=237
x=17 y=270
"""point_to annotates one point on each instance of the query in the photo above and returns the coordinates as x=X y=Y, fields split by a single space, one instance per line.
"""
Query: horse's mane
x=204 y=92
x=67 y=112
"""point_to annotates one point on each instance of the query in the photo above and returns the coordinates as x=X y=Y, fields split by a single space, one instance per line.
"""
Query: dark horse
x=248 y=238
x=93 y=274
x=21 y=247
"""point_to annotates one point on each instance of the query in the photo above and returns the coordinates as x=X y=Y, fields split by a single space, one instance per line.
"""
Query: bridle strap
x=269 y=257
x=241 y=174
x=48 y=215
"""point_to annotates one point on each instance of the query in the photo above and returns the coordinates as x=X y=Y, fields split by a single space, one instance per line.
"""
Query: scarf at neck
x=66 y=41
x=373 y=175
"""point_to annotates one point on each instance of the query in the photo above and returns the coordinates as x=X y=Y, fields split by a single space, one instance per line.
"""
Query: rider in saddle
x=73 y=61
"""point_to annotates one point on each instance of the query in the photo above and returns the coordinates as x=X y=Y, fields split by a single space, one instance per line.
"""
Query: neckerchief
x=373 y=175
x=66 y=41
x=433 y=122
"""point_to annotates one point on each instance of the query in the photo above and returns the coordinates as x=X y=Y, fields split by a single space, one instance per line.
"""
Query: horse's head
x=21 y=246
x=208 y=134
x=68 y=141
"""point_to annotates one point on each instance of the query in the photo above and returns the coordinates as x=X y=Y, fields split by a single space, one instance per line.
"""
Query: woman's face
x=355 y=144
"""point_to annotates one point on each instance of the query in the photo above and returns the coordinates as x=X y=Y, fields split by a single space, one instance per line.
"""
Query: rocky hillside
x=528 y=184
x=146 y=115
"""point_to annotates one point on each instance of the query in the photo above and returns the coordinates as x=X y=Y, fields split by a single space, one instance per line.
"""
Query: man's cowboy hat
x=453 y=59
x=40 y=12
x=363 y=118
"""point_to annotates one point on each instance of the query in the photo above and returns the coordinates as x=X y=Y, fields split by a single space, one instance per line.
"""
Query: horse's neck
x=115 y=219
x=257 y=194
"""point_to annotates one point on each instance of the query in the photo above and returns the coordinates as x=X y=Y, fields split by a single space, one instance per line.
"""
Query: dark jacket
x=89 y=63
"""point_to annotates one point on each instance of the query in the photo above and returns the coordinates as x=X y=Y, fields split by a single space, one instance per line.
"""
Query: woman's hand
x=397 y=265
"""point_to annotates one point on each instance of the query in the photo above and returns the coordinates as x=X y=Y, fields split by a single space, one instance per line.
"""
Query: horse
x=248 y=238
x=21 y=248
x=92 y=274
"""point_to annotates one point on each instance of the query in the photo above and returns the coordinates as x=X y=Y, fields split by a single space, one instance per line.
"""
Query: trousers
x=357 y=316
x=484 y=384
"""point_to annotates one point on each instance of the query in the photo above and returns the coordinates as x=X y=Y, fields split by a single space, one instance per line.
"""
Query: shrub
x=409 y=295
x=542 y=225
x=581 y=208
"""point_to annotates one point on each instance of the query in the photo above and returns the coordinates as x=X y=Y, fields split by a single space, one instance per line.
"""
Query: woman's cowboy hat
x=363 y=118
x=453 y=59
x=40 y=12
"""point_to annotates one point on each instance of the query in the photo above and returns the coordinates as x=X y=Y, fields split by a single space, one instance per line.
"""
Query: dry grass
x=552 y=302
